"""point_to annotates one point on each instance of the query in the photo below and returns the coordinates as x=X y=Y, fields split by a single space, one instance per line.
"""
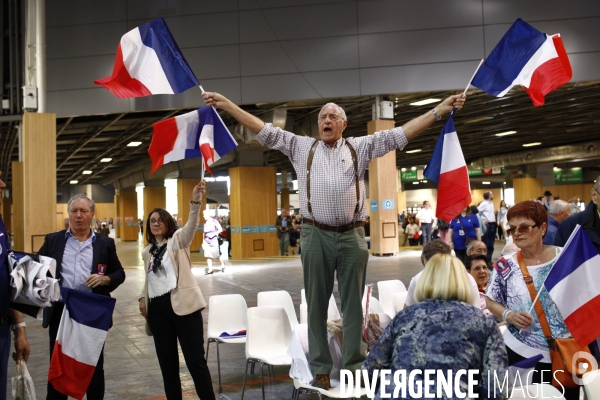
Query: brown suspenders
x=311 y=154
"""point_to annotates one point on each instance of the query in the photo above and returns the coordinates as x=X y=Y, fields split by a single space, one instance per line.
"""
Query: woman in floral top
x=442 y=332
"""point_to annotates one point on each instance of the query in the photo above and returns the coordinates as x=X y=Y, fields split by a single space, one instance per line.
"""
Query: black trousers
x=536 y=376
x=166 y=328
x=95 y=390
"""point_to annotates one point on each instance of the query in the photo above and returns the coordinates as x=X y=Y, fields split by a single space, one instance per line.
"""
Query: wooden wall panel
x=253 y=202
x=34 y=189
x=129 y=228
x=105 y=210
x=154 y=197
x=583 y=191
x=7 y=214
x=185 y=188
x=117 y=222
x=382 y=186
x=527 y=188
x=477 y=196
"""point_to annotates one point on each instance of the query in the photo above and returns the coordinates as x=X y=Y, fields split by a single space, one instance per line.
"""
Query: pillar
x=285 y=191
x=117 y=216
x=185 y=186
x=34 y=182
x=127 y=215
x=527 y=188
x=253 y=206
x=155 y=196
x=383 y=197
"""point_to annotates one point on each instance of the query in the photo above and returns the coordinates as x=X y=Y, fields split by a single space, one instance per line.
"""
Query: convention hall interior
x=384 y=62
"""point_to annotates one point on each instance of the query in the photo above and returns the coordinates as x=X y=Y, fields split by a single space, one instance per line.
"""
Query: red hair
x=529 y=209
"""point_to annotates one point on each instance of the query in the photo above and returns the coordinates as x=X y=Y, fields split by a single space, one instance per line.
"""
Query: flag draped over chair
x=526 y=57
x=148 y=62
x=448 y=169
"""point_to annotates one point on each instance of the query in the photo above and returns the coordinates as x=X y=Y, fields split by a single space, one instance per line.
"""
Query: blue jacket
x=586 y=220
x=551 y=231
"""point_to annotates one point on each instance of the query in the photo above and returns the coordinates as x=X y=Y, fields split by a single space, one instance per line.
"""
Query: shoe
x=209 y=273
x=223 y=269
x=321 y=381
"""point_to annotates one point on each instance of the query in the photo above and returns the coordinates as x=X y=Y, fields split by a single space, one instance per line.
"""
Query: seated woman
x=478 y=267
x=442 y=332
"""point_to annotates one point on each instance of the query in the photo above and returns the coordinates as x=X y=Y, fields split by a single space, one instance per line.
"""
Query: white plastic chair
x=386 y=289
x=279 y=298
x=267 y=340
x=303 y=296
x=537 y=391
x=332 y=311
x=304 y=313
x=399 y=299
x=226 y=313
x=335 y=393
x=591 y=385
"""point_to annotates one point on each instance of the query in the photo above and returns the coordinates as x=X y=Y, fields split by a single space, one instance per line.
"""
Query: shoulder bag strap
x=355 y=162
x=539 y=310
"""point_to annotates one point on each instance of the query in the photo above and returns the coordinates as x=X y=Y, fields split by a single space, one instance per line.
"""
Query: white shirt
x=163 y=281
x=486 y=208
x=410 y=297
x=425 y=215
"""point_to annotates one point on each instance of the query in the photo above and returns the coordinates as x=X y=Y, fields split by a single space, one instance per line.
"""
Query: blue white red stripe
x=200 y=133
x=448 y=169
x=526 y=57
x=148 y=62
x=81 y=334
x=574 y=285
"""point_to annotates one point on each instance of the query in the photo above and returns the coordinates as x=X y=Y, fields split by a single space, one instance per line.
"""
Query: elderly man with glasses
x=84 y=261
x=589 y=219
x=332 y=200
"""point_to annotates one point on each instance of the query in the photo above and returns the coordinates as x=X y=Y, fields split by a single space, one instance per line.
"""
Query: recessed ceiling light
x=485 y=183
x=87 y=172
x=73 y=182
x=279 y=173
x=532 y=144
x=134 y=144
x=556 y=169
x=424 y=181
x=413 y=168
x=413 y=151
x=106 y=160
x=403 y=169
x=426 y=101
x=506 y=133
x=415 y=183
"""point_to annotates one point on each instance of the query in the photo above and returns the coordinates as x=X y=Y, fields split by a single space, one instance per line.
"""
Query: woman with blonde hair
x=442 y=332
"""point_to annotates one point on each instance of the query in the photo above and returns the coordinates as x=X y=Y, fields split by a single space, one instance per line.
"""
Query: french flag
x=448 y=169
x=574 y=285
x=526 y=57
x=149 y=62
x=519 y=374
x=79 y=341
x=200 y=133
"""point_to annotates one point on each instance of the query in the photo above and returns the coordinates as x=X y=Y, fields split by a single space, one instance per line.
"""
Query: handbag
x=562 y=350
x=22 y=384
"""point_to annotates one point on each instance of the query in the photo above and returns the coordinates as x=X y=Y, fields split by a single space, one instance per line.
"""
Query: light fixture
x=556 y=169
x=532 y=144
x=426 y=101
x=506 y=133
x=415 y=183
x=403 y=169
x=87 y=172
x=504 y=183
x=106 y=160
x=424 y=181
x=485 y=183
x=413 y=168
x=413 y=151
x=279 y=173
x=134 y=144
x=74 y=182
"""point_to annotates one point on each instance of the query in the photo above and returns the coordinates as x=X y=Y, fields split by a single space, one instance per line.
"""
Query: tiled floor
x=131 y=366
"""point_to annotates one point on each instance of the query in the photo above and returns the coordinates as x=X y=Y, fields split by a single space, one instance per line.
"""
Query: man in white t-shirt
x=432 y=248
x=486 y=210
x=426 y=218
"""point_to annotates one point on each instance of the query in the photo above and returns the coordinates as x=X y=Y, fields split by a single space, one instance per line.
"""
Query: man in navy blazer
x=84 y=261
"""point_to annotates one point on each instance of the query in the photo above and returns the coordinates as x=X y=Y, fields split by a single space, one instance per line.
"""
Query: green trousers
x=324 y=254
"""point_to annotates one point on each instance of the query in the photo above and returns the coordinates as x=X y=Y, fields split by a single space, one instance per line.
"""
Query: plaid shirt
x=332 y=184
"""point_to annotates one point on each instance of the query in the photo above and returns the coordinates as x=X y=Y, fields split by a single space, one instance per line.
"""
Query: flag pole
x=203 y=169
x=202 y=89
x=470 y=80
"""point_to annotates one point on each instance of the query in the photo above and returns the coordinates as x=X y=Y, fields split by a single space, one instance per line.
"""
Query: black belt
x=4 y=319
x=339 y=228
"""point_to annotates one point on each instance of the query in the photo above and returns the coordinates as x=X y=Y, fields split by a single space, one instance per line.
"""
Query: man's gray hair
x=574 y=209
x=557 y=206
x=340 y=110
x=80 y=197
x=472 y=244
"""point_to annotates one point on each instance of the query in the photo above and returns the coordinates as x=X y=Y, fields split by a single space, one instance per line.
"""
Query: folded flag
x=448 y=169
x=81 y=334
x=233 y=334
x=574 y=285
x=526 y=57
x=519 y=374
x=200 y=133
x=148 y=62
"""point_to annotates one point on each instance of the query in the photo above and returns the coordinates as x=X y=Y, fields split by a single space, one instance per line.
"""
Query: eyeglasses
x=523 y=229
x=332 y=117
x=156 y=221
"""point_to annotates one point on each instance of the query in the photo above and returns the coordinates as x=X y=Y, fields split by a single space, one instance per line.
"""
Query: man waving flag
x=200 y=133
x=448 y=169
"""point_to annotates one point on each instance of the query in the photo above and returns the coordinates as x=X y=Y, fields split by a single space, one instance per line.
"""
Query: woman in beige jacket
x=172 y=301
